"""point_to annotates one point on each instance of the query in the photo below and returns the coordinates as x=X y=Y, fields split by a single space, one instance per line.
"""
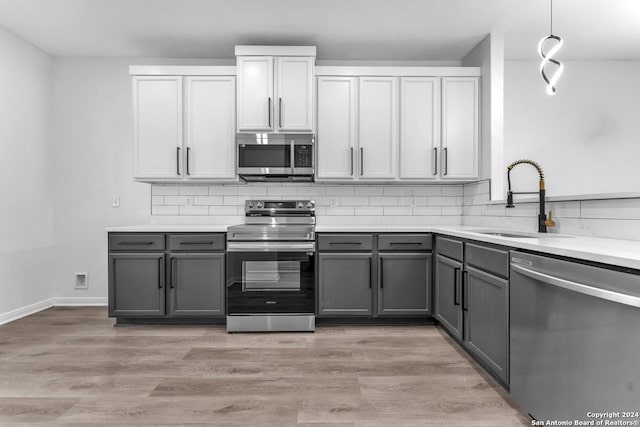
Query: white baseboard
x=79 y=301
x=51 y=302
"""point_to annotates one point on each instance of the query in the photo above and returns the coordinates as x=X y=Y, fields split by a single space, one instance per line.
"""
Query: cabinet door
x=448 y=295
x=344 y=284
x=157 y=109
x=378 y=129
x=255 y=93
x=197 y=284
x=404 y=284
x=460 y=104
x=210 y=127
x=136 y=284
x=294 y=88
x=486 y=307
x=337 y=123
x=419 y=127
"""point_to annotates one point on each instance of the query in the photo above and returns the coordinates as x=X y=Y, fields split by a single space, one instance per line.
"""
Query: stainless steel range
x=270 y=267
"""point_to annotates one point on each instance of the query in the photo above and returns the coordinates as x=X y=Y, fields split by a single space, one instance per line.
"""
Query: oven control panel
x=279 y=207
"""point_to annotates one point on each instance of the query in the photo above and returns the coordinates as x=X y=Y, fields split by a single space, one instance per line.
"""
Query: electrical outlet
x=188 y=201
x=333 y=202
x=82 y=281
x=413 y=202
x=115 y=201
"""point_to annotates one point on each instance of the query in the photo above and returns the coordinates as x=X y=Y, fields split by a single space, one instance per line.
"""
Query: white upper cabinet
x=275 y=88
x=184 y=127
x=294 y=90
x=255 y=93
x=337 y=126
x=157 y=109
x=210 y=127
x=460 y=104
x=378 y=127
x=419 y=127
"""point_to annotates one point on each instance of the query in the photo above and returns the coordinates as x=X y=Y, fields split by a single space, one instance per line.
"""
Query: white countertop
x=624 y=253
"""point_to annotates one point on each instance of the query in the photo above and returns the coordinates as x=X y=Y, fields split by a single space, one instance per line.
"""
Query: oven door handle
x=271 y=246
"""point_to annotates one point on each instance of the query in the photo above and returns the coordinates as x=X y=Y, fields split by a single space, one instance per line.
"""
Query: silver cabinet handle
x=280 y=113
x=445 y=160
x=435 y=160
x=173 y=273
x=361 y=161
x=269 y=110
x=351 y=161
x=579 y=287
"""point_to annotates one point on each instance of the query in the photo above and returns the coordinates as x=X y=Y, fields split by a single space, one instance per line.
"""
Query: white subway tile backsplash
x=281 y=191
x=340 y=210
x=398 y=210
x=383 y=201
x=427 y=190
x=474 y=188
x=252 y=190
x=193 y=190
x=452 y=210
x=225 y=210
x=164 y=190
x=614 y=209
x=223 y=190
x=165 y=210
x=194 y=210
x=428 y=211
x=340 y=190
x=157 y=200
x=444 y=201
x=353 y=201
x=207 y=200
x=452 y=190
x=369 y=210
x=369 y=190
x=234 y=200
x=176 y=200
x=398 y=190
x=310 y=192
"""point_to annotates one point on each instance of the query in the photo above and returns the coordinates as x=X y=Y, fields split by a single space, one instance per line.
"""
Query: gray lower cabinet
x=403 y=283
x=472 y=299
x=166 y=275
x=136 y=284
x=344 y=283
x=447 y=294
x=197 y=282
x=486 y=302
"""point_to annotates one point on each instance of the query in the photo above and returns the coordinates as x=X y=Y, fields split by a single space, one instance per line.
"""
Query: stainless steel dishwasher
x=575 y=338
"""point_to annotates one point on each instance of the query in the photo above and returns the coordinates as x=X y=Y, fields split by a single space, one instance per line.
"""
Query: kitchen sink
x=516 y=235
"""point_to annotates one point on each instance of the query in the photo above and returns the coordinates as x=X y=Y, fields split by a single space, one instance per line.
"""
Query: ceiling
x=341 y=29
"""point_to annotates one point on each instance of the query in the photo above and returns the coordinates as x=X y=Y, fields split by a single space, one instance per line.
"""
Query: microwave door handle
x=293 y=156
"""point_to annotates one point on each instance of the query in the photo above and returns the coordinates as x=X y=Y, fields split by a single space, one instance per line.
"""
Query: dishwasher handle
x=579 y=287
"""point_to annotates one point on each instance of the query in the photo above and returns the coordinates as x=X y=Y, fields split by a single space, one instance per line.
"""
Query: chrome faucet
x=543 y=222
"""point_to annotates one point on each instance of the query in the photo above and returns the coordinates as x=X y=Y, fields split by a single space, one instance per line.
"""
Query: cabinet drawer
x=449 y=248
x=489 y=259
x=404 y=242
x=136 y=242
x=197 y=242
x=343 y=242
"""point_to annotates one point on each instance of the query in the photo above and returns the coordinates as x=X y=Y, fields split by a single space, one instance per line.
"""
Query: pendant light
x=548 y=58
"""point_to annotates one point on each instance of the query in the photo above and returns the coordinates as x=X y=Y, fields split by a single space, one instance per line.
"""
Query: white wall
x=489 y=56
x=93 y=130
x=26 y=172
x=586 y=137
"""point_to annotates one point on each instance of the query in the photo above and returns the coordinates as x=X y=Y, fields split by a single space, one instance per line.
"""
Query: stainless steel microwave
x=275 y=157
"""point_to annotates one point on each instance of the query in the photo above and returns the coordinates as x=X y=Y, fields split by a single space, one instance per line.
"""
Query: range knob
x=259 y=205
x=309 y=205
x=250 y=205
x=300 y=205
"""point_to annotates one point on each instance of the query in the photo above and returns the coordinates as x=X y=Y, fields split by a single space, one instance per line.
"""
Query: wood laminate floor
x=70 y=366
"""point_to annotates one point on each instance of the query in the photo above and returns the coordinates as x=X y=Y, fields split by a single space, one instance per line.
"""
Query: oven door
x=270 y=278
